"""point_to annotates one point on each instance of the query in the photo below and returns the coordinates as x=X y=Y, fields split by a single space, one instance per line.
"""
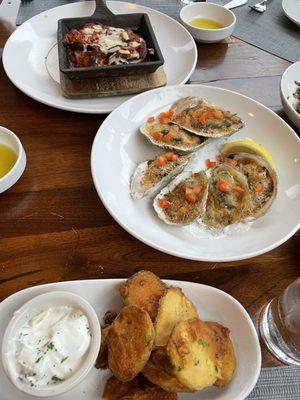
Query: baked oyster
x=150 y=176
x=183 y=200
x=262 y=181
x=229 y=199
x=172 y=137
x=198 y=116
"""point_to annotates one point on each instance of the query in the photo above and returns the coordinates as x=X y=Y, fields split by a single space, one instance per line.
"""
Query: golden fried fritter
x=192 y=350
x=130 y=341
x=143 y=289
x=174 y=306
x=225 y=353
x=138 y=389
x=102 y=359
x=158 y=370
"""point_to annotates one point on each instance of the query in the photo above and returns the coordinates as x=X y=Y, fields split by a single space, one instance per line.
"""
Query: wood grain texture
x=54 y=227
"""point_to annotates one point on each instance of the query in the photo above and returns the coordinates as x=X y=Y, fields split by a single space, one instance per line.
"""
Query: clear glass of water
x=280 y=325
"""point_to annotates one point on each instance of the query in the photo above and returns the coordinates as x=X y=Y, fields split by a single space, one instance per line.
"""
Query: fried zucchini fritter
x=138 y=389
x=159 y=371
x=225 y=353
x=144 y=289
x=192 y=350
x=174 y=306
x=130 y=341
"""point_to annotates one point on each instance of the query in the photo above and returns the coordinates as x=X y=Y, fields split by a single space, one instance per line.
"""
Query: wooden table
x=53 y=226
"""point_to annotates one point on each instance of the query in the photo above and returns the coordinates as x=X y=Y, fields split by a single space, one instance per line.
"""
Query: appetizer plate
x=118 y=147
x=213 y=304
x=35 y=39
x=287 y=89
x=291 y=9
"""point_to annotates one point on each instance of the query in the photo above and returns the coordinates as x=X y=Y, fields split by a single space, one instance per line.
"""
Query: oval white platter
x=212 y=305
x=34 y=39
x=119 y=146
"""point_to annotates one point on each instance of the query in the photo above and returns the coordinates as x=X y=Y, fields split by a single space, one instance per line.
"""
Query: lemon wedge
x=246 y=146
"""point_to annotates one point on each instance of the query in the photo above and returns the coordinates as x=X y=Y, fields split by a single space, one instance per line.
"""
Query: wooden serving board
x=114 y=86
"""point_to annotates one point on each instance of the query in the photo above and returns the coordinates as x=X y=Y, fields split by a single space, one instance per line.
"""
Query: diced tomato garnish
x=238 y=189
x=259 y=188
x=163 y=118
x=161 y=160
x=191 y=197
x=170 y=113
x=157 y=136
x=169 y=136
x=189 y=191
x=151 y=120
x=169 y=156
x=218 y=114
x=223 y=186
x=230 y=161
x=210 y=163
x=163 y=203
x=184 y=209
x=204 y=117
x=197 y=189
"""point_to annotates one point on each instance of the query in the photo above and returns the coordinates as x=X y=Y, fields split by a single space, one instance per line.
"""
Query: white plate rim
x=282 y=80
x=174 y=252
x=170 y=282
x=287 y=14
x=104 y=109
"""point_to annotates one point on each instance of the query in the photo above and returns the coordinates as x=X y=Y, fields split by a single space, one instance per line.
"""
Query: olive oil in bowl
x=205 y=23
x=8 y=159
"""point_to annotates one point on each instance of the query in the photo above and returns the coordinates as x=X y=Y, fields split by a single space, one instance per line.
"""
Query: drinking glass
x=280 y=325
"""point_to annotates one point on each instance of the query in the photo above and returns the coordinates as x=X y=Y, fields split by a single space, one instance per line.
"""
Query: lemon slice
x=246 y=146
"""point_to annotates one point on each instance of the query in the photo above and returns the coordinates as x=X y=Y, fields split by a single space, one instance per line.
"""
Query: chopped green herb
x=202 y=342
x=64 y=359
x=38 y=359
x=50 y=346
x=174 y=342
x=56 y=379
x=196 y=363
x=180 y=368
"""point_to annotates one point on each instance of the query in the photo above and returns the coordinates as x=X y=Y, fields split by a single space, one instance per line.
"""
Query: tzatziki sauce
x=51 y=346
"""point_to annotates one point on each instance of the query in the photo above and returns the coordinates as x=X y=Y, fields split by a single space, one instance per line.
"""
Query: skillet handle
x=102 y=11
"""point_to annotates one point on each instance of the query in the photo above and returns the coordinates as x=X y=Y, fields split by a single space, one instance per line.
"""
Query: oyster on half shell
x=198 y=116
x=152 y=175
x=183 y=200
x=172 y=137
x=229 y=199
x=262 y=181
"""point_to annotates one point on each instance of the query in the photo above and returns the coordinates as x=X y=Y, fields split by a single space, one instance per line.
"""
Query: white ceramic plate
x=287 y=90
x=212 y=304
x=291 y=9
x=31 y=42
x=118 y=147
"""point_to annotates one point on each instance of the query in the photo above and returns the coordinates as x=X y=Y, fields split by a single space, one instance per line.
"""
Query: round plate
x=34 y=39
x=287 y=89
x=118 y=147
x=212 y=304
x=291 y=9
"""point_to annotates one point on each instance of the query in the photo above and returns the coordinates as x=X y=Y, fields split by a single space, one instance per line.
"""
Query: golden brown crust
x=174 y=306
x=144 y=289
x=159 y=371
x=102 y=359
x=138 y=389
x=193 y=352
x=130 y=341
x=225 y=353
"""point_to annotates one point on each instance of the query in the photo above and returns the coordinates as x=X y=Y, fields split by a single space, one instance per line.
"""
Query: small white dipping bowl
x=210 y=11
x=9 y=139
x=291 y=8
x=28 y=311
x=287 y=89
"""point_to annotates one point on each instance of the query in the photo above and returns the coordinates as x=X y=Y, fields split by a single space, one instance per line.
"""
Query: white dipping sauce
x=51 y=346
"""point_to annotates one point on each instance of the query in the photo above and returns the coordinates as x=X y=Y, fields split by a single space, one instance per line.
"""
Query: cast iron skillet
x=139 y=23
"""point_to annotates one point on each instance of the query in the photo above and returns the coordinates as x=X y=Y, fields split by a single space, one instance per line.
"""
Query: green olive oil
x=8 y=159
x=205 y=23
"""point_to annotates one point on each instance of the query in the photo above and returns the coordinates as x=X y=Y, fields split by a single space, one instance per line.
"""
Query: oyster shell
x=149 y=177
x=188 y=110
x=262 y=181
x=229 y=200
x=180 y=140
x=181 y=211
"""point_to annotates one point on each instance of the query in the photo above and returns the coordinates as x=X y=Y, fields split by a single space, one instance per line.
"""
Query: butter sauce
x=205 y=23
x=8 y=159
x=51 y=346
